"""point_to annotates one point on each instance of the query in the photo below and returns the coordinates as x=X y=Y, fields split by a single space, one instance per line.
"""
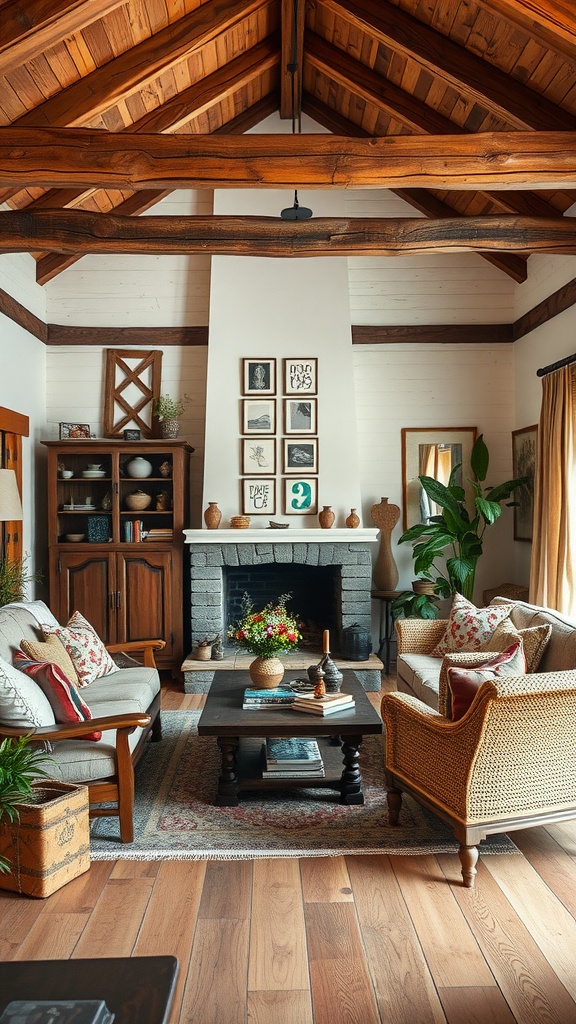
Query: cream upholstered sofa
x=125 y=706
x=420 y=674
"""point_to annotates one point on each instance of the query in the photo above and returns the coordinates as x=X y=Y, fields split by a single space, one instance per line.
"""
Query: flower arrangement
x=268 y=632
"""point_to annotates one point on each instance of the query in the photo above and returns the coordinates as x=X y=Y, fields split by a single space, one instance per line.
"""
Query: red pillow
x=63 y=696
x=464 y=683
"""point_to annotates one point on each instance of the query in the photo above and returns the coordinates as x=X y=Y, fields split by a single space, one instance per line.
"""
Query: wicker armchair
x=509 y=763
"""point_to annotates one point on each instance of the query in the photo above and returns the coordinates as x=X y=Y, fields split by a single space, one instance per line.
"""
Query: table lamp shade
x=10 y=504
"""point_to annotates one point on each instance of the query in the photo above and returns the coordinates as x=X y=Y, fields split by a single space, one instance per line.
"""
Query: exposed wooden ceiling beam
x=552 y=22
x=76 y=231
x=26 y=29
x=469 y=74
x=85 y=158
x=292 y=46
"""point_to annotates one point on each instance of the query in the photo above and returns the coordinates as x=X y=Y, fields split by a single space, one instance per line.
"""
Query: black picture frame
x=132 y=435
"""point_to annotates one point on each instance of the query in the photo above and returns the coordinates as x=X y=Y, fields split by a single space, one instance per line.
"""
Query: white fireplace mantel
x=289 y=536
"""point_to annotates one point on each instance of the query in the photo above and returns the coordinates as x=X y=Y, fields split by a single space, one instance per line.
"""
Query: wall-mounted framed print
x=258 y=497
x=300 y=415
x=258 y=456
x=258 y=416
x=74 y=431
x=258 y=376
x=300 y=376
x=524 y=447
x=300 y=455
x=301 y=496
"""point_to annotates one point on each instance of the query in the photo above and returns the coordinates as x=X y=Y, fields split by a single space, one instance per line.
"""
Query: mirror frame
x=412 y=438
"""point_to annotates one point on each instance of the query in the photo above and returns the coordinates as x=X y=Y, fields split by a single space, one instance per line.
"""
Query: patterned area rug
x=175 y=817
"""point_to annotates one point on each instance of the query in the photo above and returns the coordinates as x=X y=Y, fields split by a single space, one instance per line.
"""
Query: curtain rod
x=556 y=366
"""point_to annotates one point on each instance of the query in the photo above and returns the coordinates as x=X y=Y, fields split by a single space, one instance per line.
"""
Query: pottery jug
x=353 y=520
x=326 y=517
x=139 y=468
x=212 y=515
x=385 y=516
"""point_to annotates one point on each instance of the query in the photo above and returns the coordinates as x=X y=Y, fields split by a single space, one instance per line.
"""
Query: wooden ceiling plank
x=139 y=65
x=26 y=29
x=86 y=158
x=474 y=77
x=73 y=231
x=291 y=57
x=552 y=22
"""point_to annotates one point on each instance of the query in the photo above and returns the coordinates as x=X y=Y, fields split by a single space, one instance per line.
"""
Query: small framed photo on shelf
x=300 y=376
x=300 y=455
x=74 y=431
x=259 y=456
x=258 y=376
x=132 y=435
x=301 y=496
x=300 y=415
x=258 y=416
x=258 y=497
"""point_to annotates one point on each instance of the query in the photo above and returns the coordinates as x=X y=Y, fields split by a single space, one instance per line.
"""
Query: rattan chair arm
x=419 y=636
x=535 y=683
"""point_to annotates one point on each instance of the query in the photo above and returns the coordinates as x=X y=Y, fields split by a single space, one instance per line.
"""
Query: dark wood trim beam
x=77 y=231
x=292 y=30
x=550 y=22
x=466 y=72
x=434 y=334
x=31 y=27
x=126 y=336
x=15 y=311
x=89 y=158
x=558 y=302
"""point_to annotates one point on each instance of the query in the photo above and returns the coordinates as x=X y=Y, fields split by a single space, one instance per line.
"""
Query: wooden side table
x=385 y=632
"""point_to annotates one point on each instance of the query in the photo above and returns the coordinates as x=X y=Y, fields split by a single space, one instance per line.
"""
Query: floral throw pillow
x=469 y=628
x=465 y=683
x=64 y=699
x=89 y=655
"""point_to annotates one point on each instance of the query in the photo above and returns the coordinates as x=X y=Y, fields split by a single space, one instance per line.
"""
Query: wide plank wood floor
x=344 y=940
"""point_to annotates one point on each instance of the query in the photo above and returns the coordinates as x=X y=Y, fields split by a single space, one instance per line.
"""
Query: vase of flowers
x=266 y=634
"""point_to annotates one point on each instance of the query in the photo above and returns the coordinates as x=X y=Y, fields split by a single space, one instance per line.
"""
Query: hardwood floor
x=344 y=940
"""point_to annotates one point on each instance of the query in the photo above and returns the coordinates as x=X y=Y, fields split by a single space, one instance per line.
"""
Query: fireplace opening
x=315 y=595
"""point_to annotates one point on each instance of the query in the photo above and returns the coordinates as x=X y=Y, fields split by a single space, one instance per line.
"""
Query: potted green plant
x=14 y=577
x=20 y=765
x=456 y=536
x=168 y=411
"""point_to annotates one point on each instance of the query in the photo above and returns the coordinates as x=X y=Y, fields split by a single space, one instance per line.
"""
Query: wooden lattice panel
x=131 y=388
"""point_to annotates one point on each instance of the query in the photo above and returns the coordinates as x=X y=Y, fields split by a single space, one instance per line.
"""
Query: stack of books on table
x=327 y=705
x=292 y=758
x=257 y=700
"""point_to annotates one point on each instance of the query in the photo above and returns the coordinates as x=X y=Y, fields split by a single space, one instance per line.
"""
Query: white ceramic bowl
x=75 y=536
x=67 y=474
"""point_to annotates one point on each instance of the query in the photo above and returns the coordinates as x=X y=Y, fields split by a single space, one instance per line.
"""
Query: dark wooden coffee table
x=240 y=735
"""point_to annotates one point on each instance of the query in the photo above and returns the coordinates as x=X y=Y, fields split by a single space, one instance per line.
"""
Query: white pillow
x=22 y=703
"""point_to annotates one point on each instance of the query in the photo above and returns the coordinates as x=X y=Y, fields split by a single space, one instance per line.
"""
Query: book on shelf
x=257 y=699
x=330 y=704
x=297 y=773
x=289 y=753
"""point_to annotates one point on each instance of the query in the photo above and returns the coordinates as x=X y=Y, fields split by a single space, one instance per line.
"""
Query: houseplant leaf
x=479 y=458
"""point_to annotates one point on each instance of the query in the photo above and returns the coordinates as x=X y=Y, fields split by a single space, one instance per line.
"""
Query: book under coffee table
x=241 y=733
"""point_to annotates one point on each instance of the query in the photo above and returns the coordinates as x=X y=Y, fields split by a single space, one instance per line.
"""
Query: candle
x=326 y=642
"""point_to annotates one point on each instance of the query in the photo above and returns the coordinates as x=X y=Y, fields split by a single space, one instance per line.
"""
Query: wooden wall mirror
x=431 y=451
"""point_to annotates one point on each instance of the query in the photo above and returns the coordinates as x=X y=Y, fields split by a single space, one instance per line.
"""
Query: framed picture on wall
x=300 y=415
x=300 y=376
x=524 y=443
x=258 y=376
x=258 y=416
x=300 y=455
x=301 y=496
x=259 y=455
x=258 y=497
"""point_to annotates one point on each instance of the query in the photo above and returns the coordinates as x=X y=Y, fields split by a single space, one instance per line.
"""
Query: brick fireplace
x=267 y=563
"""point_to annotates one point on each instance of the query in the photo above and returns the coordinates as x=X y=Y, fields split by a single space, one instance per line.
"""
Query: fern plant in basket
x=20 y=765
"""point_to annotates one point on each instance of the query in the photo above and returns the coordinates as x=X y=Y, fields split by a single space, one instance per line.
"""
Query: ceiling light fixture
x=295 y=212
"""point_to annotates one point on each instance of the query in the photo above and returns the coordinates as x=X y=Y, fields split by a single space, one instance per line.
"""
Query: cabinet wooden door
x=87 y=583
x=144 y=606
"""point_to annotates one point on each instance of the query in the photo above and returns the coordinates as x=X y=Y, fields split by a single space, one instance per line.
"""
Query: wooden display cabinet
x=122 y=568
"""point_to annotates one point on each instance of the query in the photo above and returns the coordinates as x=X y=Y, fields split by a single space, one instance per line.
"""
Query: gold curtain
x=552 y=577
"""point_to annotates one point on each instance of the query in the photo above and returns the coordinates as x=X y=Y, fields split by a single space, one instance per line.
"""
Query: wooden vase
x=212 y=515
x=385 y=516
x=326 y=517
x=266 y=673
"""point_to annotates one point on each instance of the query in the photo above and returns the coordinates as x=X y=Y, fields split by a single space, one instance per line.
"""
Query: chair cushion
x=465 y=683
x=534 y=641
x=469 y=628
x=22 y=703
x=89 y=655
x=420 y=673
x=52 y=651
x=65 y=701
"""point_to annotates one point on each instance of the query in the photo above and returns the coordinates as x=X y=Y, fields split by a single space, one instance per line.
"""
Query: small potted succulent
x=168 y=411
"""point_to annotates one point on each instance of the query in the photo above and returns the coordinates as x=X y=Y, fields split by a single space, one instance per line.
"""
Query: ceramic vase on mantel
x=212 y=515
x=385 y=516
x=353 y=520
x=326 y=517
x=266 y=673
